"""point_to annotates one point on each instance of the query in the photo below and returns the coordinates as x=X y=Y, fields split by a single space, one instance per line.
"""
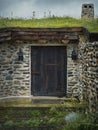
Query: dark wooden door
x=48 y=71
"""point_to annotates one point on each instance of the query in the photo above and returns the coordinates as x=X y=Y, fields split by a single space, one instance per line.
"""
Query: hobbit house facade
x=56 y=62
x=39 y=62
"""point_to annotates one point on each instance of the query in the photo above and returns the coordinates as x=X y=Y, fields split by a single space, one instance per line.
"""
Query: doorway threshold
x=39 y=101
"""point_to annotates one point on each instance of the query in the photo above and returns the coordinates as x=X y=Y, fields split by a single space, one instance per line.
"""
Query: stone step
x=49 y=100
x=38 y=102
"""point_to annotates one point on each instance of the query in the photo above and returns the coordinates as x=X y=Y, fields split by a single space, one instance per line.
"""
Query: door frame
x=46 y=45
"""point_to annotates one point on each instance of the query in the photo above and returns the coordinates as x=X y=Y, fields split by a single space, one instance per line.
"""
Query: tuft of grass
x=91 y=24
x=55 y=22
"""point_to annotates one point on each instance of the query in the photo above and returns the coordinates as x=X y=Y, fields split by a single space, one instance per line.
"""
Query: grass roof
x=57 y=22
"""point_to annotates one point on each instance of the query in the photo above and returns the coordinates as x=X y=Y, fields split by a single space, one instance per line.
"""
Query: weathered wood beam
x=31 y=34
x=5 y=36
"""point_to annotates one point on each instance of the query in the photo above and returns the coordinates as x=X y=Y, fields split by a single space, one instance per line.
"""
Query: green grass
x=91 y=25
x=52 y=118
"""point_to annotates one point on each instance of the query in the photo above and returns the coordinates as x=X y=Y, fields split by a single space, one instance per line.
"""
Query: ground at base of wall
x=41 y=102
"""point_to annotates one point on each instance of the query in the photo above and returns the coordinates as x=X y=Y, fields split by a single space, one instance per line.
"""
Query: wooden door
x=48 y=71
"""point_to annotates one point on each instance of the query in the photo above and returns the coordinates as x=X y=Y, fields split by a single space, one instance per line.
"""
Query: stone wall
x=89 y=75
x=73 y=85
x=15 y=75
